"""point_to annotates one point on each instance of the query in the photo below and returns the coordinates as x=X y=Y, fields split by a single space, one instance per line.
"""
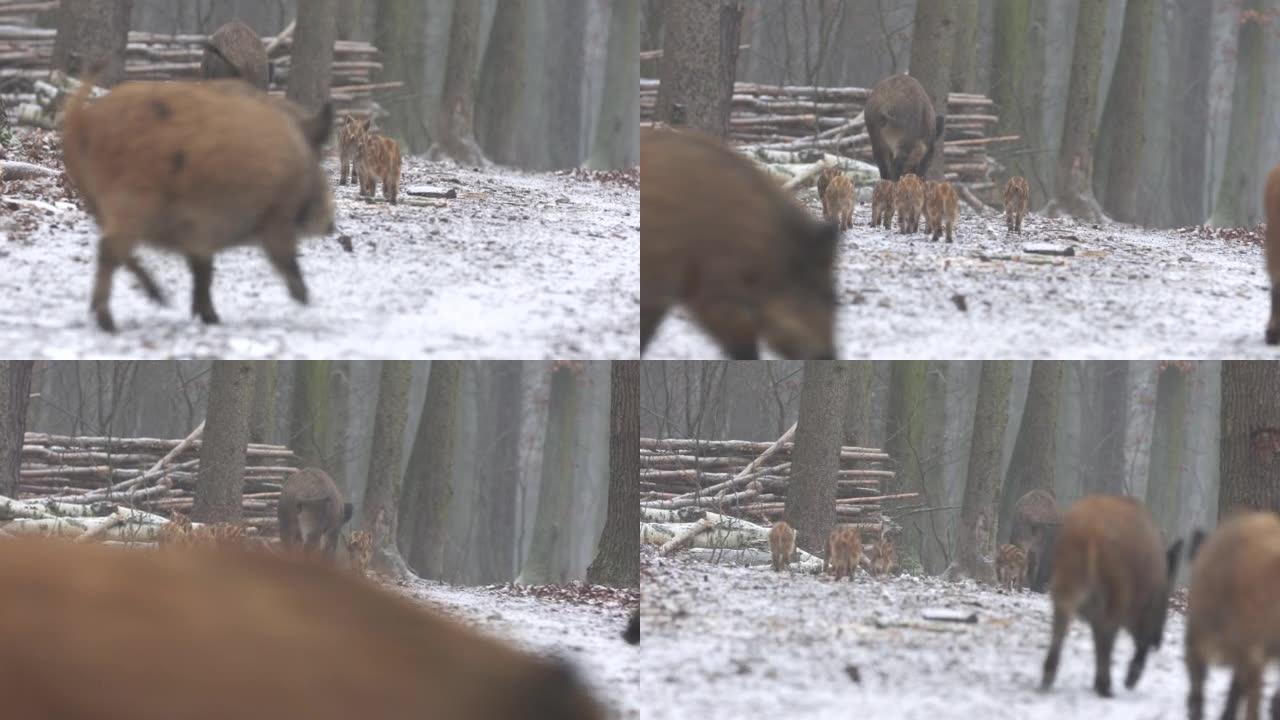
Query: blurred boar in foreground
x=235 y=51
x=1017 y=196
x=840 y=201
x=1109 y=568
x=1033 y=527
x=311 y=512
x=721 y=237
x=882 y=198
x=195 y=168
x=844 y=551
x=1272 y=203
x=1011 y=566
x=261 y=636
x=782 y=544
x=941 y=207
x=908 y=199
x=902 y=127
x=1233 y=616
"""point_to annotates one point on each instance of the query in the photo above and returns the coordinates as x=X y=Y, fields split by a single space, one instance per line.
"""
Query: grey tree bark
x=931 y=48
x=905 y=436
x=617 y=560
x=1237 y=201
x=554 y=492
x=309 y=413
x=1105 y=467
x=312 y=59
x=1188 y=113
x=15 y=394
x=1250 y=444
x=503 y=96
x=815 y=463
x=1035 y=448
x=262 y=423
x=1168 y=445
x=699 y=63
x=565 y=100
x=429 y=478
x=455 y=126
x=220 y=487
x=1073 y=191
x=1121 y=141
x=400 y=34
x=964 y=62
x=499 y=424
x=975 y=541
x=617 y=135
x=382 y=491
x=857 y=413
x=91 y=38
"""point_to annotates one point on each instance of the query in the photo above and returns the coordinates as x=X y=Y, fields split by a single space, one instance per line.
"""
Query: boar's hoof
x=104 y=320
x=298 y=290
x=208 y=316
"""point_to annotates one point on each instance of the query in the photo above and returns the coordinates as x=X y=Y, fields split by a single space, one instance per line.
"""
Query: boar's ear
x=317 y=127
x=1197 y=537
x=1171 y=560
x=940 y=121
x=347 y=509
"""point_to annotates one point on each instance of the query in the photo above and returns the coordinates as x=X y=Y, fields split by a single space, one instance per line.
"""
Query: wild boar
x=782 y=544
x=235 y=51
x=632 y=634
x=882 y=557
x=721 y=237
x=902 y=127
x=882 y=198
x=1033 y=527
x=825 y=177
x=1011 y=566
x=941 y=207
x=1232 y=614
x=195 y=168
x=844 y=551
x=350 y=138
x=908 y=199
x=262 y=635
x=1016 y=198
x=839 y=202
x=378 y=161
x=1272 y=202
x=1109 y=568
x=311 y=512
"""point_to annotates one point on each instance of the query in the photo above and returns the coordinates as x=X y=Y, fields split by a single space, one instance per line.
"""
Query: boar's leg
x=282 y=249
x=1104 y=640
x=651 y=315
x=1249 y=675
x=108 y=261
x=1273 y=328
x=1196 y=670
x=201 y=282
x=880 y=152
x=1233 y=698
x=149 y=285
x=1061 y=619
x=1136 y=665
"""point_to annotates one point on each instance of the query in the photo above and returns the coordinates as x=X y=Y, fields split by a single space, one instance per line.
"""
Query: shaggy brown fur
x=1272 y=202
x=840 y=201
x=844 y=551
x=782 y=544
x=908 y=201
x=378 y=161
x=311 y=512
x=721 y=237
x=825 y=177
x=195 y=168
x=882 y=198
x=1033 y=527
x=902 y=126
x=882 y=557
x=1017 y=196
x=235 y=51
x=354 y=131
x=941 y=206
x=1011 y=566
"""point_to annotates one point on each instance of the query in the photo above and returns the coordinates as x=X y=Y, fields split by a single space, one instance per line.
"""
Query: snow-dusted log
x=75 y=527
x=741 y=478
x=712 y=531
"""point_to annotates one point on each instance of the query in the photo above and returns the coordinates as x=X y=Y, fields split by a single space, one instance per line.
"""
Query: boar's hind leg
x=1104 y=640
x=1061 y=619
x=282 y=250
x=1136 y=665
x=1273 y=328
x=201 y=282
x=149 y=285
x=108 y=261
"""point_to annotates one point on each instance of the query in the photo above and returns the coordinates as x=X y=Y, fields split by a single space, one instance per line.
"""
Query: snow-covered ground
x=724 y=641
x=581 y=624
x=518 y=266
x=1128 y=292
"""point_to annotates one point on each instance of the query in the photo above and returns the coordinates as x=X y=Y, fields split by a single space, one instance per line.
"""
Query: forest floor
x=579 y=623
x=1127 y=292
x=724 y=641
x=520 y=265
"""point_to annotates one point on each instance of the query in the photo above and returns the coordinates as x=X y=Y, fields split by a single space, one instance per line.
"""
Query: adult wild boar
x=902 y=126
x=235 y=51
x=311 y=512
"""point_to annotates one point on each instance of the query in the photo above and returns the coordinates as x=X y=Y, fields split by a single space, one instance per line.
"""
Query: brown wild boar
x=882 y=198
x=378 y=161
x=235 y=51
x=350 y=138
x=194 y=168
x=941 y=207
x=840 y=201
x=721 y=237
x=908 y=200
x=632 y=634
x=308 y=641
x=882 y=558
x=1108 y=567
x=824 y=179
x=1033 y=527
x=1232 y=614
x=844 y=551
x=1016 y=198
x=311 y=512
x=1011 y=566
x=902 y=126
x=1272 y=203
x=782 y=544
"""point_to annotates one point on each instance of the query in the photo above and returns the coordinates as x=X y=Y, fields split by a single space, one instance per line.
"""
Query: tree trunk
x=556 y=486
x=1118 y=160
x=91 y=38
x=400 y=34
x=1250 y=444
x=1074 y=178
x=220 y=487
x=1168 y=445
x=431 y=470
x=455 y=128
x=1237 y=203
x=262 y=424
x=566 y=99
x=500 y=426
x=931 y=47
x=857 y=412
x=1034 y=449
x=348 y=23
x=1105 y=467
x=617 y=561
x=503 y=96
x=975 y=543
x=312 y=58
x=617 y=139
x=964 y=61
x=309 y=416
x=905 y=437
x=1188 y=113
x=699 y=63
x=15 y=395
x=811 y=494
x=339 y=440
x=1009 y=60
x=382 y=489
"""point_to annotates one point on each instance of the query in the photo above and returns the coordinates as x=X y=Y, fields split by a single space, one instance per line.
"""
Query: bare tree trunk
x=502 y=97
x=618 y=130
x=857 y=413
x=905 y=437
x=1034 y=449
x=348 y=22
x=1250 y=445
x=811 y=495
x=931 y=46
x=431 y=470
x=699 y=63
x=312 y=62
x=1118 y=160
x=964 y=61
x=262 y=424
x=1105 y=466
x=382 y=491
x=15 y=394
x=455 y=128
x=220 y=487
x=1237 y=202
x=400 y=34
x=1168 y=445
x=93 y=34
x=499 y=446
x=1188 y=112
x=549 y=535
x=309 y=413
x=617 y=560
x=1074 y=178
x=565 y=98
x=977 y=533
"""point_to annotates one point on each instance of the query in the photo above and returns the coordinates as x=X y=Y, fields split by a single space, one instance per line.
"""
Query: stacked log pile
x=792 y=118
x=144 y=478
